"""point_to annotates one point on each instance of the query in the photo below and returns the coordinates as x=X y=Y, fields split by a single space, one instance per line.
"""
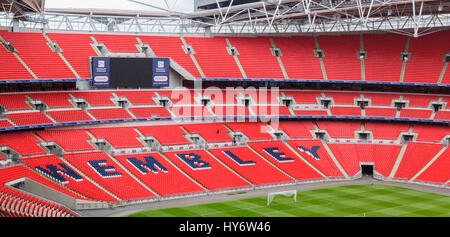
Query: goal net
x=271 y=196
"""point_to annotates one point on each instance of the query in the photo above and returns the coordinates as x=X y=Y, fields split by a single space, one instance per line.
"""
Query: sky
x=176 y=5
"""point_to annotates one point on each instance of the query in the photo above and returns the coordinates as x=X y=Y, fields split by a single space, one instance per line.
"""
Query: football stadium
x=225 y=108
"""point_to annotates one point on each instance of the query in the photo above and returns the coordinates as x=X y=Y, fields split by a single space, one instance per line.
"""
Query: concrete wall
x=38 y=189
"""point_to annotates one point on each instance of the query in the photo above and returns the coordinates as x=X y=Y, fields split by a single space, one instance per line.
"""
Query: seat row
x=63 y=107
x=14 y=203
x=31 y=143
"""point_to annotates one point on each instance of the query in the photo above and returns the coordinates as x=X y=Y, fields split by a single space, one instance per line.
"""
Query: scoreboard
x=114 y=72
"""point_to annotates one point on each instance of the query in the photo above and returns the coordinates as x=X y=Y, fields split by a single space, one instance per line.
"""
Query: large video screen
x=130 y=72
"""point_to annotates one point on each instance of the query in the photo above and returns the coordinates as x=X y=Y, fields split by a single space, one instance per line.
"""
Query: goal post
x=271 y=196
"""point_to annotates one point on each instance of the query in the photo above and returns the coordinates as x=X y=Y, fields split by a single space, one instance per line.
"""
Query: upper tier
x=256 y=59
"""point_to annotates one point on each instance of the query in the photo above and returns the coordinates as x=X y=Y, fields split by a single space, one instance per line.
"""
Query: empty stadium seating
x=159 y=174
x=142 y=97
x=416 y=113
x=298 y=57
x=254 y=131
x=62 y=107
x=271 y=110
x=110 y=113
x=118 y=43
x=339 y=130
x=350 y=156
x=29 y=118
x=149 y=112
x=176 y=164
x=54 y=168
x=68 y=139
x=99 y=98
x=390 y=131
x=53 y=99
x=33 y=49
x=5 y=124
x=380 y=99
x=118 y=137
x=418 y=100
x=345 y=110
x=104 y=170
x=343 y=97
x=304 y=97
x=305 y=112
x=190 y=111
x=14 y=203
x=426 y=62
x=219 y=96
x=13 y=173
x=14 y=102
x=172 y=135
x=383 y=60
x=341 y=58
x=295 y=129
x=260 y=95
x=250 y=165
x=283 y=157
x=230 y=110
x=442 y=115
x=437 y=172
x=10 y=67
x=380 y=112
x=313 y=151
x=429 y=133
x=210 y=52
x=22 y=142
x=76 y=49
x=169 y=46
x=179 y=97
x=206 y=170
x=84 y=172
x=256 y=58
x=71 y=115
x=210 y=132
x=417 y=155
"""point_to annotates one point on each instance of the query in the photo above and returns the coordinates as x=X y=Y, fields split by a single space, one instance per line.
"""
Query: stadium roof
x=20 y=7
x=408 y=17
x=143 y=8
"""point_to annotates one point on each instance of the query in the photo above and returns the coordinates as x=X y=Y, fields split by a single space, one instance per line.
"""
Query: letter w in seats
x=58 y=174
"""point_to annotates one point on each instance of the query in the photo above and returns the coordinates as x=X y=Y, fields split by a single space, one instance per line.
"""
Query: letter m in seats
x=150 y=164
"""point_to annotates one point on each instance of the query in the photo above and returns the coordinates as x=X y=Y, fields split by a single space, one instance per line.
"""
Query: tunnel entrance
x=367 y=170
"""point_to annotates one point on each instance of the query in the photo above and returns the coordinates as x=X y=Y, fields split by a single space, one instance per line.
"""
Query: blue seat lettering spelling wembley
x=194 y=161
x=279 y=156
x=150 y=164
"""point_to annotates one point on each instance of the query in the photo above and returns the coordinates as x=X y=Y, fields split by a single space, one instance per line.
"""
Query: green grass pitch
x=371 y=200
